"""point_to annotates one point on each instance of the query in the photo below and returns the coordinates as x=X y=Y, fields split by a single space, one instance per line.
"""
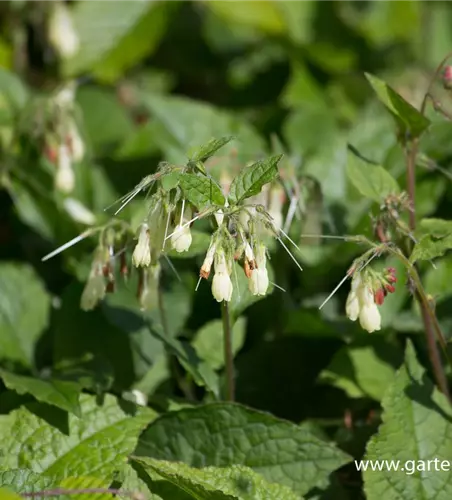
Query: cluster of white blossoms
x=63 y=144
x=62 y=34
x=368 y=291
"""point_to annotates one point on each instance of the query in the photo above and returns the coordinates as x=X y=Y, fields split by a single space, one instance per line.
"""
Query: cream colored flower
x=142 y=253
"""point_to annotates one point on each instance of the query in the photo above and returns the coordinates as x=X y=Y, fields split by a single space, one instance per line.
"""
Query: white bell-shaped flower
x=62 y=34
x=142 y=254
x=352 y=306
x=221 y=283
x=369 y=315
x=181 y=238
x=258 y=282
x=361 y=304
x=64 y=177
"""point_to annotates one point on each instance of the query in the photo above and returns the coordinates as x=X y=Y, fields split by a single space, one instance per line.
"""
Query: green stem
x=432 y=328
x=228 y=356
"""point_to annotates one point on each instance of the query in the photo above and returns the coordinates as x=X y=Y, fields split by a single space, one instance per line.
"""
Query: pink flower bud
x=379 y=296
x=447 y=77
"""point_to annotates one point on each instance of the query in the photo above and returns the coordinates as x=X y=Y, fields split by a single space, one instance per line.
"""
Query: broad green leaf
x=430 y=247
x=372 y=181
x=141 y=40
x=132 y=480
x=199 y=245
x=6 y=494
x=263 y=15
x=113 y=39
x=225 y=434
x=25 y=480
x=24 y=312
x=437 y=280
x=47 y=440
x=385 y=24
x=170 y=181
x=408 y=118
x=64 y=395
x=209 y=149
x=416 y=428
x=436 y=227
x=363 y=370
x=215 y=483
x=250 y=180
x=210 y=337
x=181 y=132
x=201 y=191
x=201 y=372
x=105 y=121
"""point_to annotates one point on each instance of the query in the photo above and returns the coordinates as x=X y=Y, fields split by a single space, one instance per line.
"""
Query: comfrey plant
x=244 y=216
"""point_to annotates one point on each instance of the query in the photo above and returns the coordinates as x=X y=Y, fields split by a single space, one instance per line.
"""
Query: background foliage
x=314 y=392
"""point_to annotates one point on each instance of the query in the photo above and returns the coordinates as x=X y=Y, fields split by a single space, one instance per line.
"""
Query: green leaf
x=201 y=372
x=372 y=181
x=363 y=370
x=24 y=480
x=437 y=280
x=114 y=39
x=8 y=495
x=24 y=312
x=210 y=336
x=201 y=191
x=416 y=428
x=141 y=40
x=262 y=14
x=64 y=395
x=207 y=150
x=180 y=132
x=13 y=93
x=214 y=483
x=430 y=247
x=436 y=227
x=225 y=434
x=46 y=440
x=27 y=481
x=250 y=180
x=408 y=118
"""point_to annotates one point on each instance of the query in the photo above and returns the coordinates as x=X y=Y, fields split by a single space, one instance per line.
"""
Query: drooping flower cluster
x=58 y=137
x=368 y=291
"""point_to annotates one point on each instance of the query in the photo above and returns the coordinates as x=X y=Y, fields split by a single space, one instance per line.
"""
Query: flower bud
x=208 y=261
x=389 y=288
x=249 y=256
x=447 y=77
x=219 y=217
x=64 y=178
x=94 y=290
x=181 y=238
x=62 y=34
x=142 y=254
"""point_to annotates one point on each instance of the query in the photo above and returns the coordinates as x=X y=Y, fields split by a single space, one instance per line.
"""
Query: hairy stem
x=228 y=357
x=431 y=326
